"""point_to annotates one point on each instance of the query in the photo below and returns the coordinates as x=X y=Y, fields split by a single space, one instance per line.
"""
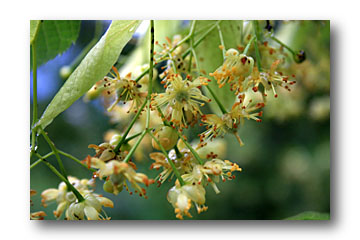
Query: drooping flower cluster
x=195 y=176
x=66 y=200
x=179 y=107
x=182 y=99
x=228 y=123
x=117 y=172
x=239 y=72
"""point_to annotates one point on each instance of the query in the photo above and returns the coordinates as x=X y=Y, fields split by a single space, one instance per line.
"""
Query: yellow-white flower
x=65 y=197
x=235 y=68
x=182 y=99
x=90 y=208
x=183 y=163
x=211 y=172
x=182 y=197
x=118 y=172
x=269 y=79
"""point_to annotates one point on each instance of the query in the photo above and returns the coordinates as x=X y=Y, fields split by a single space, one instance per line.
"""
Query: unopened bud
x=167 y=137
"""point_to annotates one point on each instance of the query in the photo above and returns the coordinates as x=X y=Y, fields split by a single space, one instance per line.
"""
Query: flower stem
x=177 y=174
x=34 y=85
x=40 y=159
x=134 y=136
x=132 y=150
x=76 y=160
x=248 y=45
x=196 y=155
x=117 y=148
x=152 y=33
x=283 y=44
x=151 y=72
x=222 y=108
x=53 y=148
x=64 y=179
x=177 y=151
x=256 y=46
x=221 y=40
x=201 y=38
x=241 y=31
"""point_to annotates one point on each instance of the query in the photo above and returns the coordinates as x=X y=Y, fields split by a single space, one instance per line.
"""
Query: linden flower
x=218 y=127
x=245 y=109
x=183 y=164
x=212 y=171
x=235 y=68
x=63 y=197
x=182 y=198
x=126 y=90
x=174 y=58
x=105 y=152
x=89 y=208
x=269 y=79
x=117 y=173
x=182 y=99
x=215 y=126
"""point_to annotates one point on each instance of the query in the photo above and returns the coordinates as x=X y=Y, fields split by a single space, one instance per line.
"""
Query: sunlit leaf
x=310 y=216
x=93 y=68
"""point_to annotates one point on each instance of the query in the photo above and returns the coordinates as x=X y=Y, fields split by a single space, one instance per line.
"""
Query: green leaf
x=210 y=56
x=34 y=26
x=310 y=216
x=54 y=37
x=93 y=68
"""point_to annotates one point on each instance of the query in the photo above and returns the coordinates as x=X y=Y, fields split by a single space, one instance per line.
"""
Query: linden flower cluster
x=116 y=172
x=196 y=165
x=66 y=200
x=196 y=176
x=244 y=78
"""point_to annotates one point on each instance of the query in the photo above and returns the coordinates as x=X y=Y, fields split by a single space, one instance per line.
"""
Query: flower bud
x=65 y=72
x=115 y=139
x=300 y=56
x=107 y=155
x=167 y=137
x=108 y=187
x=70 y=197
x=231 y=52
